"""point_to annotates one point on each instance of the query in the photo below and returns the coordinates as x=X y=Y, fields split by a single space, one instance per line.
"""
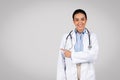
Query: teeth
x=80 y=24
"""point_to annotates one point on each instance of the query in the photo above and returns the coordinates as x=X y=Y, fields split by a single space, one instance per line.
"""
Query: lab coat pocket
x=68 y=62
x=91 y=73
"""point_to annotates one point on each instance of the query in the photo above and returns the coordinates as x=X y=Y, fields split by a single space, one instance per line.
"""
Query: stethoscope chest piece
x=89 y=47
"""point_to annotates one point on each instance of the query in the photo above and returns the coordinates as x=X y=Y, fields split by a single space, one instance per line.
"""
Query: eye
x=76 y=19
x=82 y=19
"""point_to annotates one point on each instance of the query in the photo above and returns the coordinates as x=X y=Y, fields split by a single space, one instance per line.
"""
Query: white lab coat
x=66 y=67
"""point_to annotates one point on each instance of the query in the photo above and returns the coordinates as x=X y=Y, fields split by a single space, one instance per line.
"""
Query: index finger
x=63 y=49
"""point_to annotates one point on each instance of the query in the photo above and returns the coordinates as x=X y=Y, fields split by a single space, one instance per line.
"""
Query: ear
x=73 y=22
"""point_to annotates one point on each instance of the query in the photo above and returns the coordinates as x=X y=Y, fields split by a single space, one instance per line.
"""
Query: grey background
x=31 y=31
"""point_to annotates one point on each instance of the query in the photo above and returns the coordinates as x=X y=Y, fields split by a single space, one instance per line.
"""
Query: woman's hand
x=67 y=53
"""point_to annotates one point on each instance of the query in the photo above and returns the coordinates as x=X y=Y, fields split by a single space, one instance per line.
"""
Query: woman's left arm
x=86 y=55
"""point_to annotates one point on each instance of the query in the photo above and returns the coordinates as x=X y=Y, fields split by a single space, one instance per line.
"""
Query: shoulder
x=67 y=34
x=93 y=35
x=64 y=36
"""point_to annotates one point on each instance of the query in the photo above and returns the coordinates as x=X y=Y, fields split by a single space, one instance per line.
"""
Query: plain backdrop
x=31 y=32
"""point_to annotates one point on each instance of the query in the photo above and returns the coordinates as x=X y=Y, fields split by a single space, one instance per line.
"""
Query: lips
x=80 y=25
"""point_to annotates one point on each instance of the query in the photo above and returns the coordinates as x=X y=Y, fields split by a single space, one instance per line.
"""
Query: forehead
x=79 y=15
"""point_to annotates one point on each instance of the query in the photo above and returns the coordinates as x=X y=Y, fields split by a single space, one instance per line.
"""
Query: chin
x=80 y=29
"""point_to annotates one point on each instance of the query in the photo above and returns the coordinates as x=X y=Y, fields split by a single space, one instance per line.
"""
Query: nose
x=80 y=21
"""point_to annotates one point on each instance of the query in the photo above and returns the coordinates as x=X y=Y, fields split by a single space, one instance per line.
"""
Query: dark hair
x=79 y=11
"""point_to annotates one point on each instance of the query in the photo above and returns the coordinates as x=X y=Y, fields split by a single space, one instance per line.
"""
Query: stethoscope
x=70 y=35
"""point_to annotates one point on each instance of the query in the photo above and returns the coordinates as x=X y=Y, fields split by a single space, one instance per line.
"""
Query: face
x=79 y=22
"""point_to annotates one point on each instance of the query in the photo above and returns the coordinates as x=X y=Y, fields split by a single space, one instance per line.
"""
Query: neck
x=79 y=31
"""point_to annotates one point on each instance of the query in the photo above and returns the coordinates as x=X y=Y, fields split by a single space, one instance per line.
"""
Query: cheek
x=75 y=22
x=85 y=21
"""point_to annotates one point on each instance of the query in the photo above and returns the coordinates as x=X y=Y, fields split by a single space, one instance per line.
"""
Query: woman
x=78 y=51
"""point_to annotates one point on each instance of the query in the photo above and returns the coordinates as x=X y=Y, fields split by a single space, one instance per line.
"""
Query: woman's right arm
x=61 y=67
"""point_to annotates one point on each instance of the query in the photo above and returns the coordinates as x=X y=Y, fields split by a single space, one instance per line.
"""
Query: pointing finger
x=62 y=49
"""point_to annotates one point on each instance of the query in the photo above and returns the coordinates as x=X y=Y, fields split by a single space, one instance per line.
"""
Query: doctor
x=78 y=51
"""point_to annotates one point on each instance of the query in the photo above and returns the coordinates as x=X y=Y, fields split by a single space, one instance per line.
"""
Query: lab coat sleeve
x=86 y=55
x=61 y=75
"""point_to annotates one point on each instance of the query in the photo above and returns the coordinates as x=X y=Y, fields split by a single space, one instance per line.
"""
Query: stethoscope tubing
x=69 y=35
